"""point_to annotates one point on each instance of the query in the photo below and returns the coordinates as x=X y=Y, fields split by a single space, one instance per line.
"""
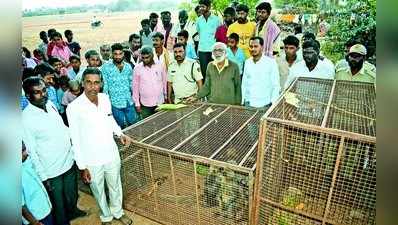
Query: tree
x=353 y=20
x=217 y=6
x=303 y=6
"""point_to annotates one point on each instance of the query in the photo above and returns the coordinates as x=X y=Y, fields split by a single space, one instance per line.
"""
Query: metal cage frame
x=162 y=163
x=330 y=130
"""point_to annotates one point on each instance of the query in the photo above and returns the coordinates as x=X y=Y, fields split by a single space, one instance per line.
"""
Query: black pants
x=204 y=59
x=147 y=111
x=63 y=194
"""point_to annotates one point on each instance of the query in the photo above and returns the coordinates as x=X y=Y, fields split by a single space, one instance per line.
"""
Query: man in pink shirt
x=149 y=84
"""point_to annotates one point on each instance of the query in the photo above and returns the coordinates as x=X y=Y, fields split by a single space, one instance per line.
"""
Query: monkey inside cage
x=317 y=155
x=194 y=165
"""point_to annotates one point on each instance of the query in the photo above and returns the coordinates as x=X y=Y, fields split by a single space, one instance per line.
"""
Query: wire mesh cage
x=317 y=155
x=194 y=165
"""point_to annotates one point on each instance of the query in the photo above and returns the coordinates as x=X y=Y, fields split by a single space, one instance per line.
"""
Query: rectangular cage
x=194 y=165
x=317 y=155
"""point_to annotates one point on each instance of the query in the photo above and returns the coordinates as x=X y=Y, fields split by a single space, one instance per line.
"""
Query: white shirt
x=72 y=74
x=189 y=26
x=324 y=69
x=260 y=82
x=47 y=140
x=92 y=128
x=30 y=63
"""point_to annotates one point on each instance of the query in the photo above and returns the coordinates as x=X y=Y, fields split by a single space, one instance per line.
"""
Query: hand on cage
x=190 y=100
x=126 y=140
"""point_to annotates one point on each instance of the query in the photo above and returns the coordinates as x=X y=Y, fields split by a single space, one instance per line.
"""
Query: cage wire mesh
x=194 y=165
x=317 y=156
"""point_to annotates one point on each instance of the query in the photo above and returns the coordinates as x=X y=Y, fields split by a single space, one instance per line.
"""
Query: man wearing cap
x=359 y=69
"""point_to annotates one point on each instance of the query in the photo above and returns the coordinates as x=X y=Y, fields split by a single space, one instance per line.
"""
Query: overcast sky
x=32 y=4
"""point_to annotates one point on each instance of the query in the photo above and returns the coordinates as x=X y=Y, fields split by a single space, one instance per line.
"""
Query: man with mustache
x=260 y=82
x=359 y=69
x=184 y=76
x=312 y=65
x=92 y=128
x=118 y=76
x=222 y=83
x=49 y=145
x=149 y=83
x=288 y=58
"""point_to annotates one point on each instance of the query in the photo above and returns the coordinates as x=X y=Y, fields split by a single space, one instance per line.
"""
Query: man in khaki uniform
x=184 y=76
x=358 y=69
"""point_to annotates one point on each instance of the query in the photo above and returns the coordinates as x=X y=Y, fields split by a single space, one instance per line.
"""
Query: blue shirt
x=34 y=195
x=23 y=102
x=207 y=30
x=52 y=96
x=190 y=50
x=118 y=84
x=238 y=58
x=60 y=95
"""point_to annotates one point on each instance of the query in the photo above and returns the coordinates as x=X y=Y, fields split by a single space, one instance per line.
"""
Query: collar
x=360 y=72
x=36 y=109
x=183 y=62
x=225 y=65
x=163 y=52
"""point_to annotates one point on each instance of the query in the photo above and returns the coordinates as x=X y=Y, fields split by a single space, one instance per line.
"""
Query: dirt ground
x=87 y=203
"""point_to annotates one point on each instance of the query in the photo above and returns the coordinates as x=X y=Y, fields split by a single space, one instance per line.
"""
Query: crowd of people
x=71 y=112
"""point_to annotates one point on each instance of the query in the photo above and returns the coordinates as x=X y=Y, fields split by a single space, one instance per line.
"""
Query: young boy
x=93 y=60
x=60 y=70
x=73 y=45
x=182 y=37
x=234 y=53
x=62 y=85
x=72 y=93
x=145 y=33
x=75 y=69
x=36 y=205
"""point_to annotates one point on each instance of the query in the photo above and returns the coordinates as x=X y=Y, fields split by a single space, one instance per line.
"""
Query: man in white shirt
x=312 y=65
x=48 y=142
x=92 y=127
x=184 y=24
x=260 y=82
